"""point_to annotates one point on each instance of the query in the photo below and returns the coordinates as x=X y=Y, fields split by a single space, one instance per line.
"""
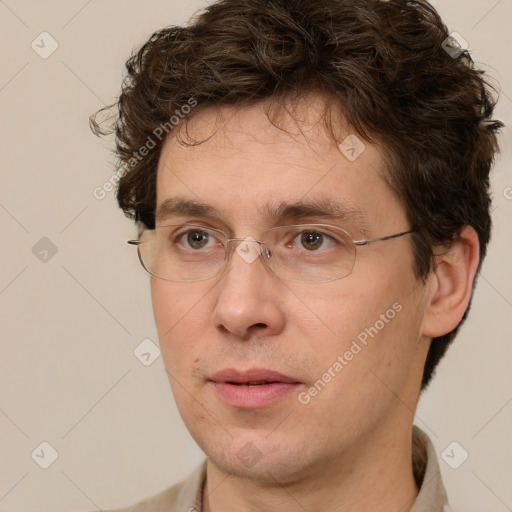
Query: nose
x=248 y=300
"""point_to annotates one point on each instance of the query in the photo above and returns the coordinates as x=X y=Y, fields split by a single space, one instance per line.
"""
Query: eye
x=195 y=239
x=311 y=240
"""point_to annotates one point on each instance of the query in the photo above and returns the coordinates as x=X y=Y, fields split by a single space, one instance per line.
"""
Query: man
x=311 y=184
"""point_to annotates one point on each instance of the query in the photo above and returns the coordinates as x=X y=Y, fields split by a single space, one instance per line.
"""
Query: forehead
x=243 y=166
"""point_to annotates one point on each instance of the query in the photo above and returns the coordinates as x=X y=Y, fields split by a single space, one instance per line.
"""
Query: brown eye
x=311 y=240
x=197 y=239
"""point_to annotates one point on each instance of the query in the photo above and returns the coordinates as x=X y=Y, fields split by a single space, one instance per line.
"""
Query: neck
x=374 y=475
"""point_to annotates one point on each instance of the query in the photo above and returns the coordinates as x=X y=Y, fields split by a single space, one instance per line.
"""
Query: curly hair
x=384 y=65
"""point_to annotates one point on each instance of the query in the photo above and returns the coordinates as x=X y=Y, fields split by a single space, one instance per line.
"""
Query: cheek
x=372 y=323
x=341 y=311
x=180 y=321
x=176 y=303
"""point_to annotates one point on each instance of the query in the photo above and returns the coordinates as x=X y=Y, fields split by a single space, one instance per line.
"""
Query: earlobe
x=451 y=284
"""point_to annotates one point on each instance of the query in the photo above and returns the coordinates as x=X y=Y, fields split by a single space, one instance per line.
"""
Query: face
x=349 y=353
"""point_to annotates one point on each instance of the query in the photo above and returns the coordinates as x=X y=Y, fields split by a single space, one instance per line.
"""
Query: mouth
x=261 y=383
x=252 y=389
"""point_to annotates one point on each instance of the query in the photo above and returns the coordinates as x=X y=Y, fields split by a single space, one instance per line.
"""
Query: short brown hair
x=383 y=64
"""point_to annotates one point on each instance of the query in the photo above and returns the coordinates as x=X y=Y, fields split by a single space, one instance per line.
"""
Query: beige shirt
x=187 y=496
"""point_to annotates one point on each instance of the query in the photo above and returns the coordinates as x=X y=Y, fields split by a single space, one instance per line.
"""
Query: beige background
x=70 y=325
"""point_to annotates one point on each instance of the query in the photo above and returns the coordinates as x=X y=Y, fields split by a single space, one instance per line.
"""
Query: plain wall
x=70 y=324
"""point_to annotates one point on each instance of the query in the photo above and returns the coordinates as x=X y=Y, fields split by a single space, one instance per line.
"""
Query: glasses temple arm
x=389 y=237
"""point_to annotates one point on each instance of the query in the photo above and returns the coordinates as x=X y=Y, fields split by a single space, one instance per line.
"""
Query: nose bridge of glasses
x=246 y=239
x=248 y=248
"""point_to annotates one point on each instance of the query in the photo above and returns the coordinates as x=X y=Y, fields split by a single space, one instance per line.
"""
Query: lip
x=231 y=387
x=253 y=375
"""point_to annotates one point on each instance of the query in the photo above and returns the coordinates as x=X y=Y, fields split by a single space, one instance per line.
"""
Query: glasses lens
x=311 y=253
x=182 y=252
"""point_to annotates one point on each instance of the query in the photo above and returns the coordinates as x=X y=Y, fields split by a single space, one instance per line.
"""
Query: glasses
x=303 y=253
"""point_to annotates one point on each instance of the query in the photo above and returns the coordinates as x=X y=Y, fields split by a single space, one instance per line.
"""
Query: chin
x=263 y=471
x=254 y=457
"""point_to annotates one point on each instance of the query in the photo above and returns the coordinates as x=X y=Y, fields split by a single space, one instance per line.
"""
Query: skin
x=349 y=448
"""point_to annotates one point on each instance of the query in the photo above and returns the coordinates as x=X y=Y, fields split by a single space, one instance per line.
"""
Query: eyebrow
x=327 y=208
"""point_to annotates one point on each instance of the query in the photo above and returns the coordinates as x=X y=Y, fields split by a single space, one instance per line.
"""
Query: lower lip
x=253 y=397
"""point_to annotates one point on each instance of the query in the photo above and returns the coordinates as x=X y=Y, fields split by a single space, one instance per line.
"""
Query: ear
x=451 y=284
